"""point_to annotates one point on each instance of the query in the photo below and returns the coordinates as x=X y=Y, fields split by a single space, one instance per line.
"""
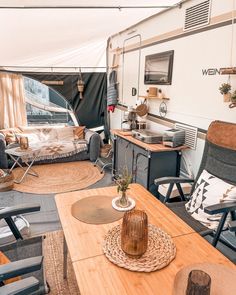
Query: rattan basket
x=6 y=181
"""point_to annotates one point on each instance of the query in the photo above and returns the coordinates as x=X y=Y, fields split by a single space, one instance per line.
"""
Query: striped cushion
x=79 y=132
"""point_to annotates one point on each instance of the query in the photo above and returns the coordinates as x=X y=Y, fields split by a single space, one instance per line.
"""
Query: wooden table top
x=97 y=275
x=157 y=147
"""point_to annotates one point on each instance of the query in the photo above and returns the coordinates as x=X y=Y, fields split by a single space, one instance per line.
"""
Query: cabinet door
x=140 y=166
x=124 y=155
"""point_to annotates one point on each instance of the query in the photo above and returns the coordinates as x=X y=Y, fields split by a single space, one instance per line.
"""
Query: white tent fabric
x=65 y=37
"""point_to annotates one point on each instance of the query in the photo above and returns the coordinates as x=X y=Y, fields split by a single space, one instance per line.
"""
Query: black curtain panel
x=91 y=110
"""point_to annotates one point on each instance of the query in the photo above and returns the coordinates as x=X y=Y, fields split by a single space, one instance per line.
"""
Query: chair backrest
x=219 y=156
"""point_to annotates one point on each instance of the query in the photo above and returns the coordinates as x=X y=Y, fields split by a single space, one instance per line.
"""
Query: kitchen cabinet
x=146 y=161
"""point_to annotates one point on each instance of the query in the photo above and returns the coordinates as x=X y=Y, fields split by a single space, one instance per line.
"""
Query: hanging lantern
x=80 y=85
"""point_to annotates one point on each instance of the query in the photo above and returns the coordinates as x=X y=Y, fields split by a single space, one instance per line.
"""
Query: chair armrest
x=23 y=287
x=94 y=142
x=220 y=208
x=232 y=225
x=2 y=137
x=3 y=155
x=20 y=267
x=166 y=180
x=18 y=209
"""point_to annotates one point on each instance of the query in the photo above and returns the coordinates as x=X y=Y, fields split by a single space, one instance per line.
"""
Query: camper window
x=158 y=68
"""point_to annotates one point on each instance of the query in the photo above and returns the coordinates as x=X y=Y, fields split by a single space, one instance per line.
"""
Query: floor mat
x=53 y=263
x=58 y=178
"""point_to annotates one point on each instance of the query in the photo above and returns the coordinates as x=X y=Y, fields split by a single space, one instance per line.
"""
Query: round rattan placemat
x=95 y=210
x=161 y=250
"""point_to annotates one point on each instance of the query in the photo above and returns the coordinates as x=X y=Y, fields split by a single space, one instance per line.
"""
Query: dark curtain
x=91 y=110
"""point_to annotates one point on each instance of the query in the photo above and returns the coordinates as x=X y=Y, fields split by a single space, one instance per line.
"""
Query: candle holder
x=134 y=233
x=199 y=283
x=24 y=143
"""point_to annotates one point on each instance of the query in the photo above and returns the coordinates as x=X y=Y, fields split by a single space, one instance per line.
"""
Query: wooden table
x=95 y=274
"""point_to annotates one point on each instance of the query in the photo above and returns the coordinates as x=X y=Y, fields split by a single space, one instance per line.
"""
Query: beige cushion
x=33 y=138
x=65 y=133
x=163 y=188
x=45 y=134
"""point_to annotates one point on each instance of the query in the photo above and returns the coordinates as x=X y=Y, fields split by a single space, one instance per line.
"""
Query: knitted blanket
x=57 y=149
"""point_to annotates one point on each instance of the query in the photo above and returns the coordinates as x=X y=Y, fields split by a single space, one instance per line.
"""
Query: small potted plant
x=233 y=96
x=225 y=91
x=123 y=180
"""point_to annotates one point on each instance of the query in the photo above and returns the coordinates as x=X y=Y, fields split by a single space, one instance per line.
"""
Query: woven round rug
x=58 y=177
x=96 y=210
x=160 y=252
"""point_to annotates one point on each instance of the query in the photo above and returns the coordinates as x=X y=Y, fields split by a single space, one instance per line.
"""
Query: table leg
x=33 y=173
x=65 y=252
x=15 y=162
x=27 y=171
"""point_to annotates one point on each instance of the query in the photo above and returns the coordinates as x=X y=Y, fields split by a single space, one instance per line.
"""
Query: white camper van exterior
x=202 y=36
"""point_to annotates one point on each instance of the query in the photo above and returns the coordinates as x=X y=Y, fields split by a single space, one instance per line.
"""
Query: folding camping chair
x=26 y=257
x=219 y=159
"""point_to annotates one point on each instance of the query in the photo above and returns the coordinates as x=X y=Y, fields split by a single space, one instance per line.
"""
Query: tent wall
x=198 y=55
x=89 y=111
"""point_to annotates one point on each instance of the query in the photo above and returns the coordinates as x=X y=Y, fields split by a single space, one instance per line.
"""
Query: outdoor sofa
x=57 y=144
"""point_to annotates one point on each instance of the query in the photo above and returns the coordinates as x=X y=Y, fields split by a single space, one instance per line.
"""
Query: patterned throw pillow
x=209 y=190
x=10 y=137
x=10 y=134
x=79 y=132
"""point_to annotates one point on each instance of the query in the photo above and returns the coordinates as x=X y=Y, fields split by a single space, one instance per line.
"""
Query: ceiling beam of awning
x=88 y=7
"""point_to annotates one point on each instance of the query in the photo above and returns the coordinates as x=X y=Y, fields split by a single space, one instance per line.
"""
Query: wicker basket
x=6 y=181
x=105 y=150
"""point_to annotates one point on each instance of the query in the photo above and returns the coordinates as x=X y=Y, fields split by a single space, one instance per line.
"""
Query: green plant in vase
x=233 y=96
x=123 y=181
x=225 y=91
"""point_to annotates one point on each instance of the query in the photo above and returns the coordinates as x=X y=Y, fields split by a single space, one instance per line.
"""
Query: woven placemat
x=161 y=250
x=96 y=210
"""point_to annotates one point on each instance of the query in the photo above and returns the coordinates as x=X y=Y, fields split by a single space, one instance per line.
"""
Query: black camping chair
x=26 y=257
x=23 y=286
x=219 y=159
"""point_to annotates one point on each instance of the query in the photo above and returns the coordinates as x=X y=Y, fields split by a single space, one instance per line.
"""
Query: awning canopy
x=60 y=33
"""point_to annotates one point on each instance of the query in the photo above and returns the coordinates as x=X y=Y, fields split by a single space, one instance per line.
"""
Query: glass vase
x=123 y=200
x=199 y=283
x=24 y=143
x=134 y=233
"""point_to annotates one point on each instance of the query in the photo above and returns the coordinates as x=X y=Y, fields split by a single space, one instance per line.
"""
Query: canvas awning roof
x=68 y=37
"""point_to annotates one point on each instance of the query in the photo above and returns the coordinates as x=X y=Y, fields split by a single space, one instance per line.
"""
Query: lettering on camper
x=211 y=71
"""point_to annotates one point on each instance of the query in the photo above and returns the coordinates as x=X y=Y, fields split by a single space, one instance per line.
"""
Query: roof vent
x=190 y=134
x=197 y=15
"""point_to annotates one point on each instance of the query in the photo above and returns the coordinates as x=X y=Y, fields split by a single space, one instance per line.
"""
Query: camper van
x=118 y=147
x=190 y=50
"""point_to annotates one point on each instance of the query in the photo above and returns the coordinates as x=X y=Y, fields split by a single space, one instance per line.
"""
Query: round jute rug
x=58 y=178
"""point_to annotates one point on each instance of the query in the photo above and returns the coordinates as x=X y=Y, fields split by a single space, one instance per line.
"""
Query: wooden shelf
x=155 y=97
x=228 y=71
